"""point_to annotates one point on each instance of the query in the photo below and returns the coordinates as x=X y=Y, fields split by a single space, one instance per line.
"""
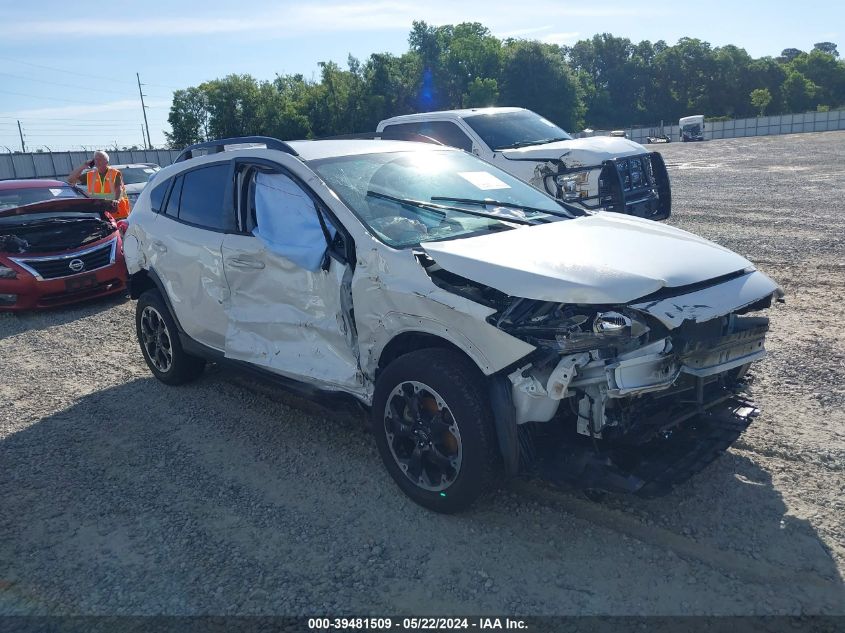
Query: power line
x=22 y=94
x=56 y=83
x=74 y=72
x=64 y=126
x=33 y=118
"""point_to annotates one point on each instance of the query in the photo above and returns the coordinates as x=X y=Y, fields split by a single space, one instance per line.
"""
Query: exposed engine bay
x=40 y=233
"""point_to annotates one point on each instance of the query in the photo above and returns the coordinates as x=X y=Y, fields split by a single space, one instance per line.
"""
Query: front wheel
x=432 y=424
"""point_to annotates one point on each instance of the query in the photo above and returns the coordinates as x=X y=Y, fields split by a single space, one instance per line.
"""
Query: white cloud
x=286 y=21
x=522 y=32
x=561 y=38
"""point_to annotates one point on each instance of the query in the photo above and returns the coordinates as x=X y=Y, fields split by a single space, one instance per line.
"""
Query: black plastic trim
x=219 y=145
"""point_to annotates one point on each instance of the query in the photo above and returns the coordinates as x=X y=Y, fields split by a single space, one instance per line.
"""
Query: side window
x=172 y=208
x=447 y=133
x=288 y=221
x=202 y=201
x=157 y=196
x=401 y=132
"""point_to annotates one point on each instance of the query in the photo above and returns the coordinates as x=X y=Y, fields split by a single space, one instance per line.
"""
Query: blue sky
x=67 y=70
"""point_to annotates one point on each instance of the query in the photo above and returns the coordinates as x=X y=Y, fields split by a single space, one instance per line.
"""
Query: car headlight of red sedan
x=7 y=273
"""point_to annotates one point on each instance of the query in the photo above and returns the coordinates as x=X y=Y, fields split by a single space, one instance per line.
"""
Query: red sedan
x=57 y=246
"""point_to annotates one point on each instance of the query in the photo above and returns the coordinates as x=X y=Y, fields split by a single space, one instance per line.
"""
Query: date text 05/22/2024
x=416 y=624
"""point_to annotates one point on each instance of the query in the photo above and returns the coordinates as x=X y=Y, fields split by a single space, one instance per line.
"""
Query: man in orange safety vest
x=103 y=182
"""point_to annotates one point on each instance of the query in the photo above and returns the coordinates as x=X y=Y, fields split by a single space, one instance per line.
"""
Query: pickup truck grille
x=635 y=173
x=636 y=185
x=82 y=261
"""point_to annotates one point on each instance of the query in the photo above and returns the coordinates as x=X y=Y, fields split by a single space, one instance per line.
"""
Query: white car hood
x=586 y=151
x=596 y=259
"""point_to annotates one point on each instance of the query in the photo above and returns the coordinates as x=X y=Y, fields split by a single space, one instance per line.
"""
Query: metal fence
x=757 y=126
x=60 y=164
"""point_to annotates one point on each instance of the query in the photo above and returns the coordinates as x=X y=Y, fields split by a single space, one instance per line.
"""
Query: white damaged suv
x=489 y=328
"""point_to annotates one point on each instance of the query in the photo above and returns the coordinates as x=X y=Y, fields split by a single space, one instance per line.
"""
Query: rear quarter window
x=202 y=201
x=157 y=196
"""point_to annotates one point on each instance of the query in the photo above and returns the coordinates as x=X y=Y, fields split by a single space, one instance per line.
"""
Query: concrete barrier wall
x=757 y=126
x=60 y=164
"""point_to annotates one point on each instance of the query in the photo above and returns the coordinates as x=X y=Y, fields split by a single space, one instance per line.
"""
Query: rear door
x=185 y=251
x=288 y=271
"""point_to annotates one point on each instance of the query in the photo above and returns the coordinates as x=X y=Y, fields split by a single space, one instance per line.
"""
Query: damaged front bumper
x=630 y=412
x=633 y=185
x=608 y=391
x=653 y=469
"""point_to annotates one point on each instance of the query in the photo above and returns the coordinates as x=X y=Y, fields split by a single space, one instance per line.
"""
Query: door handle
x=159 y=246
x=246 y=263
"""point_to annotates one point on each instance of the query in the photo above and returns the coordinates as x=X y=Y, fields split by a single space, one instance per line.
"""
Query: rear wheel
x=159 y=341
x=432 y=424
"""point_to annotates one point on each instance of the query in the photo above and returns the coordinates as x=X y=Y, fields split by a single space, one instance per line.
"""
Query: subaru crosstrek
x=488 y=328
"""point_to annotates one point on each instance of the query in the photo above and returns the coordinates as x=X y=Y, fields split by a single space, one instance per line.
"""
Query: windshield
x=11 y=198
x=135 y=175
x=410 y=197
x=507 y=130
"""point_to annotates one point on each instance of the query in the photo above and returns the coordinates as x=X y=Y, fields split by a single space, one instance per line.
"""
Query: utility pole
x=20 y=131
x=144 y=110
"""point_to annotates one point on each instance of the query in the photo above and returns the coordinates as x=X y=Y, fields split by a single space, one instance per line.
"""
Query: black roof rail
x=219 y=145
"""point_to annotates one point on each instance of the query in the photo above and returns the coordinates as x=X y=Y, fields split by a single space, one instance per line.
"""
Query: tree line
x=604 y=82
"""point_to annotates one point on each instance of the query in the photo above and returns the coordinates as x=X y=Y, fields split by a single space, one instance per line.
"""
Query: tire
x=431 y=417
x=158 y=338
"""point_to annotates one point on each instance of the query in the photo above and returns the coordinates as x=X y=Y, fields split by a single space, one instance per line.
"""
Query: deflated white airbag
x=288 y=222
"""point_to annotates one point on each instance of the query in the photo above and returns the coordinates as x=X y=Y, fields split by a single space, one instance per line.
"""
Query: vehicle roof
x=134 y=165
x=34 y=183
x=316 y=150
x=458 y=114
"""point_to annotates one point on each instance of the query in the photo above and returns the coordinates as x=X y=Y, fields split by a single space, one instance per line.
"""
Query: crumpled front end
x=621 y=380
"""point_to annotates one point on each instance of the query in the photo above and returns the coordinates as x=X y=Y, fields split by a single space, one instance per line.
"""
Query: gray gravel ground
x=120 y=495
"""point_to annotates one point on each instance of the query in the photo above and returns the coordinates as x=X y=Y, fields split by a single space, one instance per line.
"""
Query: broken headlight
x=569 y=186
x=604 y=329
x=568 y=328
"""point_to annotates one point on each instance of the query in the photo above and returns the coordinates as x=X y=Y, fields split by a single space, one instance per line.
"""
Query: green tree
x=452 y=58
x=535 y=76
x=188 y=118
x=799 y=93
x=760 y=99
x=232 y=106
x=788 y=54
x=481 y=93
x=826 y=47
x=826 y=72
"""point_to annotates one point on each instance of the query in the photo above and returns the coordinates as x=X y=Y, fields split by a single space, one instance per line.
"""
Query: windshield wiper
x=497 y=203
x=541 y=141
x=420 y=204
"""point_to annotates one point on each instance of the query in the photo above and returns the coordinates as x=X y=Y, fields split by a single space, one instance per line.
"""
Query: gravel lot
x=120 y=495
